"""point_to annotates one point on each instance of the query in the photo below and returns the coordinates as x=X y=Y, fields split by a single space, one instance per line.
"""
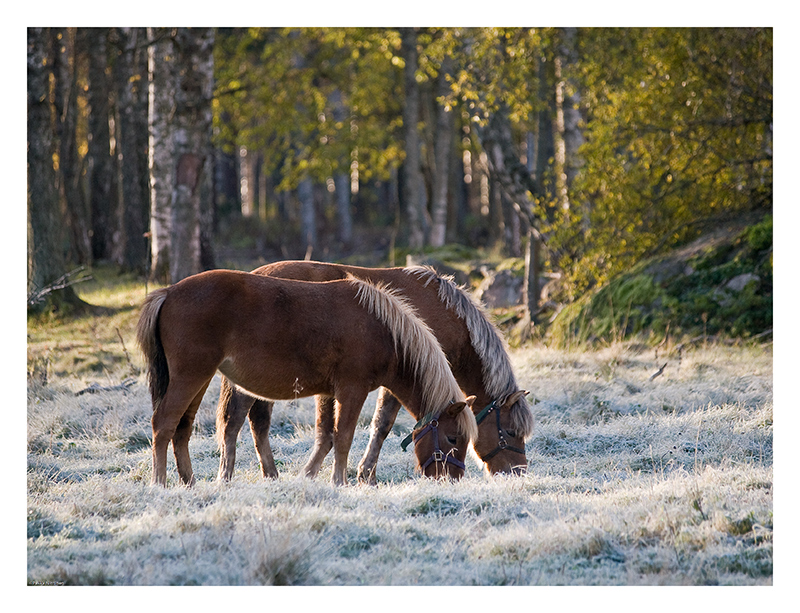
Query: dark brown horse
x=477 y=356
x=282 y=339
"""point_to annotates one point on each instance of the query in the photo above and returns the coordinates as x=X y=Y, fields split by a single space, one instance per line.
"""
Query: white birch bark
x=161 y=110
x=442 y=153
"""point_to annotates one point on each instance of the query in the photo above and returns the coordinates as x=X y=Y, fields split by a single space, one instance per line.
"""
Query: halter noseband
x=431 y=425
x=502 y=443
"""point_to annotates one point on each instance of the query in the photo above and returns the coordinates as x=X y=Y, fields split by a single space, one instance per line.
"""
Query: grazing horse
x=281 y=339
x=477 y=357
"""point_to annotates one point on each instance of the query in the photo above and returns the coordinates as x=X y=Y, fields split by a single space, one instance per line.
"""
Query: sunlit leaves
x=679 y=129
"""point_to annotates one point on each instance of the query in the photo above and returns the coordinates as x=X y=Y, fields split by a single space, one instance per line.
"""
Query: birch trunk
x=443 y=149
x=191 y=217
x=161 y=109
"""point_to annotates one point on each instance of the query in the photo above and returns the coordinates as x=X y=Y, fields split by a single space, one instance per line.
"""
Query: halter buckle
x=503 y=443
x=438 y=456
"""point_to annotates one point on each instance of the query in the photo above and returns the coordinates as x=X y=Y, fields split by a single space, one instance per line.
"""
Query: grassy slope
x=631 y=481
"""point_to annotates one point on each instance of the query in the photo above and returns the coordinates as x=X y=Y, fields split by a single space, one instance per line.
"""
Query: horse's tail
x=150 y=343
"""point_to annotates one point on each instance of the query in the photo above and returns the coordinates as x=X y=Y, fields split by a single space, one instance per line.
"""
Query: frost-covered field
x=631 y=481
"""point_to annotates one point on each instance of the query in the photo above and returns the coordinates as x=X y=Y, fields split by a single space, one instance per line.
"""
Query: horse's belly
x=272 y=382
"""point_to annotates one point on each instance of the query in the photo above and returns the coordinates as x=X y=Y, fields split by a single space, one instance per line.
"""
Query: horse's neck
x=409 y=395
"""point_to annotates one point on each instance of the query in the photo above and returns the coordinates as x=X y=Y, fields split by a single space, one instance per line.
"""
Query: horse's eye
x=453 y=440
x=512 y=433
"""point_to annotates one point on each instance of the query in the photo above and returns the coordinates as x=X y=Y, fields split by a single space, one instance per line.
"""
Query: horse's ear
x=456 y=408
x=514 y=398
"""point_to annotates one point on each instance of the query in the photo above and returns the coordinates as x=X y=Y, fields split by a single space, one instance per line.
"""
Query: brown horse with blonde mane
x=477 y=357
x=280 y=339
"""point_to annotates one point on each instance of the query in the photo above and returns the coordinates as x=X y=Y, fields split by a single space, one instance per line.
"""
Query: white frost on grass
x=630 y=482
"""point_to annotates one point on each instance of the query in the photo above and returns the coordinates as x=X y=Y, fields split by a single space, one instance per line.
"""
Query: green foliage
x=311 y=97
x=679 y=128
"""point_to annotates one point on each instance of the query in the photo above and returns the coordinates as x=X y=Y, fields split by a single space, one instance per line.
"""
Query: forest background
x=167 y=151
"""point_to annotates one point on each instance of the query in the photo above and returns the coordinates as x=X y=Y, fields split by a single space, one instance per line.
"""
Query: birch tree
x=161 y=100
x=180 y=69
x=192 y=213
x=443 y=152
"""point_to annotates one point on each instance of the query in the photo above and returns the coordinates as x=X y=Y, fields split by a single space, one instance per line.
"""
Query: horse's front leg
x=386 y=409
x=348 y=408
x=323 y=440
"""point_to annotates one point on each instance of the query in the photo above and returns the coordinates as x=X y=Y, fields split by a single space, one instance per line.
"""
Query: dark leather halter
x=502 y=443
x=437 y=456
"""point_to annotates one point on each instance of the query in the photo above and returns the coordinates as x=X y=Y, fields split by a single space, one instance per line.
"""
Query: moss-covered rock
x=719 y=284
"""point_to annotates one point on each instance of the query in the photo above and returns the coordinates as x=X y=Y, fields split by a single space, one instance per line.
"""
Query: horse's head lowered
x=441 y=443
x=501 y=439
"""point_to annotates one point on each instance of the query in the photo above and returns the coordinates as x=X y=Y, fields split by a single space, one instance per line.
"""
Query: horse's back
x=267 y=331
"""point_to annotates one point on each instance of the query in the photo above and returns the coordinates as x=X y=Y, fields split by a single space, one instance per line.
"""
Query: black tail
x=150 y=343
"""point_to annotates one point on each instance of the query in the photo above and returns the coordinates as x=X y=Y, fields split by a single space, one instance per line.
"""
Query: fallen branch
x=125 y=349
x=659 y=372
x=94 y=388
x=37 y=296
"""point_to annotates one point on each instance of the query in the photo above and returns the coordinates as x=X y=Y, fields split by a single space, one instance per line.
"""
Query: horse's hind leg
x=260 y=417
x=180 y=440
x=323 y=440
x=386 y=409
x=167 y=416
x=232 y=410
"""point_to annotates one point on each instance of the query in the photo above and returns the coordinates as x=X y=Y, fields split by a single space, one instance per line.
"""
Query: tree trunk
x=341 y=177
x=65 y=71
x=530 y=286
x=342 y=186
x=100 y=165
x=545 y=148
x=414 y=192
x=443 y=151
x=132 y=196
x=571 y=132
x=46 y=261
x=512 y=176
x=192 y=215
x=308 y=215
x=161 y=65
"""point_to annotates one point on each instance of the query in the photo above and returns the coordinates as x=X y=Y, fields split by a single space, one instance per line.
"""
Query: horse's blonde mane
x=498 y=376
x=419 y=348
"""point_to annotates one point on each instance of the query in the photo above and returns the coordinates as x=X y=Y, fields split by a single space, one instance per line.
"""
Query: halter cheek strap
x=431 y=425
x=502 y=443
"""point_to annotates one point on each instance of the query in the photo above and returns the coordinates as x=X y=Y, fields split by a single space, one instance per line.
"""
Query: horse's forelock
x=467 y=424
x=414 y=340
x=522 y=418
